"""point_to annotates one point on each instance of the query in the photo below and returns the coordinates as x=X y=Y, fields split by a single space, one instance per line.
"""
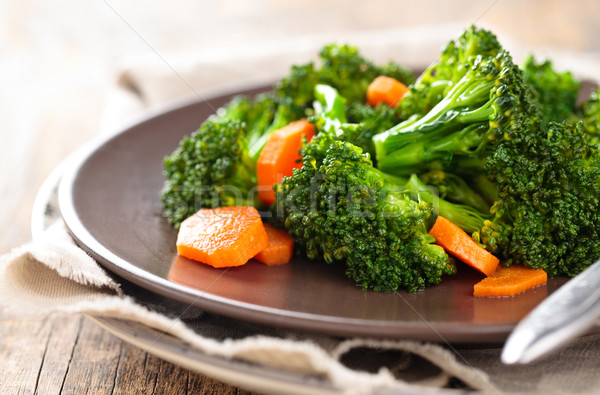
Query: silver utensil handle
x=568 y=312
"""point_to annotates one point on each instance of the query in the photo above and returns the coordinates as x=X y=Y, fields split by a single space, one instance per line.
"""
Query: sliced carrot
x=222 y=237
x=280 y=156
x=280 y=248
x=386 y=90
x=458 y=243
x=509 y=281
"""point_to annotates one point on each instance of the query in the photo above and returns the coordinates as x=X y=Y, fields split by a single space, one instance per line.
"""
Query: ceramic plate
x=109 y=201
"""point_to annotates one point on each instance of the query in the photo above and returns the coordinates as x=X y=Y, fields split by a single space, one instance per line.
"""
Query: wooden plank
x=63 y=337
x=199 y=384
x=137 y=372
x=23 y=344
x=94 y=362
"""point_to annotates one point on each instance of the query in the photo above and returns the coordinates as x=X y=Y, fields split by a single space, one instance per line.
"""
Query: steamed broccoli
x=216 y=165
x=342 y=209
x=489 y=103
x=433 y=84
x=590 y=115
x=494 y=128
x=454 y=188
x=342 y=67
x=556 y=93
x=549 y=189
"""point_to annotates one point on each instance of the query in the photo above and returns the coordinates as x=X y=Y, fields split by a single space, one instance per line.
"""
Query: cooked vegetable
x=488 y=104
x=590 y=116
x=223 y=236
x=216 y=165
x=386 y=90
x=454 y=188
x=549 y=191
x=556 y=93
x=280 y=248
x=473 y=141
x=488 y=125
x=461 y=245
x=509 y=281
x=342 y=67
x=342 y=209
x=280 y=156
x=437 y=79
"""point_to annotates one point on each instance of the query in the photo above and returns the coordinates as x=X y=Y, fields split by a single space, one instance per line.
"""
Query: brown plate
x=109 y=201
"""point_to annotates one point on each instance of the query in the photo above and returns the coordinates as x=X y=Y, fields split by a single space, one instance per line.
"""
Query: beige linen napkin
x=52 y=275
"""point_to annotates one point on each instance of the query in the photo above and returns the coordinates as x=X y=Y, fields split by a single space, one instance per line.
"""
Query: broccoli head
x=590 y=115
x=549 y=188
x=341 y=66
x=433 y=84
x=210 y=168
x=556 y=93
x=216 y=165
x=345 y=210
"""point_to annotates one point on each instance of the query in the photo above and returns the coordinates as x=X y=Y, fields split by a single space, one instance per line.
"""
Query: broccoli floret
x=489 y=103
x=549 y=188
x=342 y=209
x=342 y=67
x=216 y=165
x=433 y=84
x=556 y=93
x=590 y=115
x=210 y=168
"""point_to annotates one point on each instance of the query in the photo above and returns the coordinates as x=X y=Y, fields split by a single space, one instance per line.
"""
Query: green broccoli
x=489 y=103
x=549 y=190
x=590 y=115
x=556 y=93
x=483 y=225
x=437 y=79
x=454 y=188
x=543 y=178
x=210 y=168
x=342 y=67
x=216 y=165
x=342 y=209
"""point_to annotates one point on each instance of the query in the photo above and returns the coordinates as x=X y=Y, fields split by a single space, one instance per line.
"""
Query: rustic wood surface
x=56 y=60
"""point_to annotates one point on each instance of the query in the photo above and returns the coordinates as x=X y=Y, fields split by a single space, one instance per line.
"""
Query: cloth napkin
x=51 y=275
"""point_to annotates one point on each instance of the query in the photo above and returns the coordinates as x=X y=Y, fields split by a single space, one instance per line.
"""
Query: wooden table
x=54 y=69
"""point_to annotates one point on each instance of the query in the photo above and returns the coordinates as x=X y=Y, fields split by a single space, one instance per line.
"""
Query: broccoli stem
x=467 y=218
x=330 y=103
x=466 y=109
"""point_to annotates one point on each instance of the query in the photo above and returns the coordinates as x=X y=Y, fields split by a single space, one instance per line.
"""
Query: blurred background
x=59 y=58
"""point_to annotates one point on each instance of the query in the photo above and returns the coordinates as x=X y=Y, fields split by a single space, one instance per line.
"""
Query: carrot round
x=280 y=248
x=386 y=90
x=280 y=156
x=461 y=245
x=509 y=281
x=222 y=237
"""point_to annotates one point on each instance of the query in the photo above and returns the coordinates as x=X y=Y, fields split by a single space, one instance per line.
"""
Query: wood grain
x=72 y=355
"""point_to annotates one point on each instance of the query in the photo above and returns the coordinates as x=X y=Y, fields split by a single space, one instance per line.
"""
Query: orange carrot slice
x=280 y=156
x=222 y=237
x=280 y=248
x=509 y=281
x=461 y=245
x=386 y=90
